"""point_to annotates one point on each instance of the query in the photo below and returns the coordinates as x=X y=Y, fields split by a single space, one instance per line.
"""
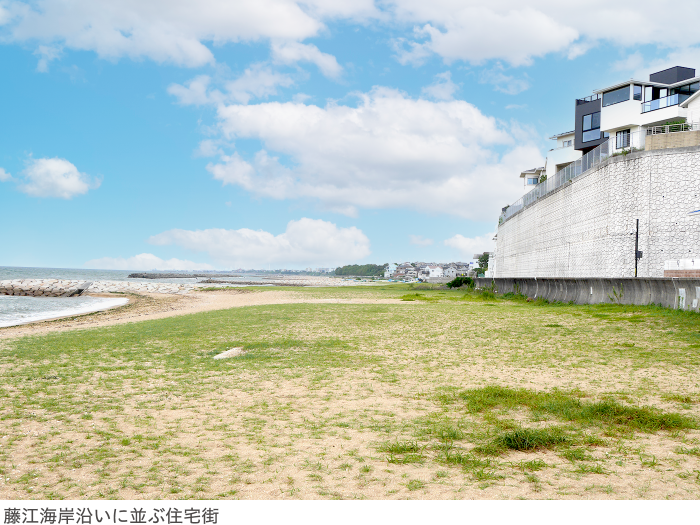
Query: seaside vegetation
x=410 y=391
x=361 y=270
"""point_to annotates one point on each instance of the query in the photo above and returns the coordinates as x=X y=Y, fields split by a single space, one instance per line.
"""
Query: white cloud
x=4 y=176
x=194 y=93
x=182 y=31
x=443 y=88
x=306 y=241
x=640 y=68
x=468 y=246
x=293 y=52
x=258 y=81
x=176 y=31
x=507 y=84
x=418 y=240
x=55 y=178
x=46 y=54
x=517 y=32
x=389 y=151
x=516 y=106
x=144 y=261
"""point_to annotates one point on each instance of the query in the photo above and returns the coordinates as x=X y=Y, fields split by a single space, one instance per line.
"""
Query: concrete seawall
x=681 y=294
x=66 y=288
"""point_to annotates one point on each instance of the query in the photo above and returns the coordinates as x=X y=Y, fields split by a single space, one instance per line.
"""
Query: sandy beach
x=143 y=307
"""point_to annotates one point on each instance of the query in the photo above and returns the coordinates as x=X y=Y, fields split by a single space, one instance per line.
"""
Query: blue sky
x=182 y=135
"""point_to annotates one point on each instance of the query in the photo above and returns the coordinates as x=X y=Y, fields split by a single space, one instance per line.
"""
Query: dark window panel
x=617 y=96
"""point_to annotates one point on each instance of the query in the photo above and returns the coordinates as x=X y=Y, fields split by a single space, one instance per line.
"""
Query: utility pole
x=637 y=253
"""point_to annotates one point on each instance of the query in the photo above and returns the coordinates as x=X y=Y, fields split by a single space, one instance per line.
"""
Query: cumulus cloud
x=502 y=82
x=508 y=30
x=55 y=178
x=181 y=32
x=443 y=88
x=389 y=151
x=176 y=32
x=306 y=241
x=419 y=240
x=4 y=176
x=469 y=246
x=144 y=261
x=46 y=54
x=293 y=52
x=257 y=81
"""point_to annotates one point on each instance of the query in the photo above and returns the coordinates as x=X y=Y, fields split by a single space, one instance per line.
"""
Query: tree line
x=363 y=270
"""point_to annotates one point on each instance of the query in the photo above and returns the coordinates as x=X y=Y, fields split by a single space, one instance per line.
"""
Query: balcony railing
x=673 y=128
x=626 y=143
x=591 y=98
x=665 y=102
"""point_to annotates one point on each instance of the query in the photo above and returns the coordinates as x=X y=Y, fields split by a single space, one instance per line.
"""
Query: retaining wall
x=671 y=293
x=586 y=228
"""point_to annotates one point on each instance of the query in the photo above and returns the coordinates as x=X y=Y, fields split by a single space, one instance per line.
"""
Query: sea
x=17 y=310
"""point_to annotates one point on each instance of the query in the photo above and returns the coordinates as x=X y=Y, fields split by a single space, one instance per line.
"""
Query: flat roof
x=646 y=83
x=555 y=137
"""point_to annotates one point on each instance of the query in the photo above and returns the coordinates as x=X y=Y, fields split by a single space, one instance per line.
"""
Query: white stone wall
x=586 y=227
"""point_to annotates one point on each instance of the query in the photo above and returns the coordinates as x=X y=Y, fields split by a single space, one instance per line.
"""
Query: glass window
x=622 y=139
x=587 y=122
x=532 y=180
x=663 y=93
x=591 y=126
x=614 y=97
x=593 y=134
x=648 y=90
x=637 y=92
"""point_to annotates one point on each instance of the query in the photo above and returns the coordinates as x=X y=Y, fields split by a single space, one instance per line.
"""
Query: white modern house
x=450 y=272
x=625 y=111
x=623 y=115
x=563 y=154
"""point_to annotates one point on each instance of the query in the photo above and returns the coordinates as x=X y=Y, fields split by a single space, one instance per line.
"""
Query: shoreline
x=151 y=306
x=74 y=314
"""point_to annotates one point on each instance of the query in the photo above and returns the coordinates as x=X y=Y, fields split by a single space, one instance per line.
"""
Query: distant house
x=450 y=272
x=434 y=271
x=531 y=177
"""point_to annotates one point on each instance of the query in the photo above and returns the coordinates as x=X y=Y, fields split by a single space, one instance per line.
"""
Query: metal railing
x=622 y=145
x=673 y=128
x=665 y=102
x=590 y=98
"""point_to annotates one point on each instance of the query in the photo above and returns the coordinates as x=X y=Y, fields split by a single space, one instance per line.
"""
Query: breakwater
x=675 y=293
x=73 y=288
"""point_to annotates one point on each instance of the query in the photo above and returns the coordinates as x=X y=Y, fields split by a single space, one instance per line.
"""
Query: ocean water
x=16 y=310
x=12 y=272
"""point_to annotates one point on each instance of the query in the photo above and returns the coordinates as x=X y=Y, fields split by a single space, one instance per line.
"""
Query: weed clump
x=458 y=282
x=530 y=439
x=569 y=407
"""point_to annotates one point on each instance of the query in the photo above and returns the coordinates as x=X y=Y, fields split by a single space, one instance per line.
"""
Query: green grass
x=569 y=407
x=356 y=400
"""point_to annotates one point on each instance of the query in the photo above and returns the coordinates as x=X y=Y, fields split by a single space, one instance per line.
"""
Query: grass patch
x=569 y=407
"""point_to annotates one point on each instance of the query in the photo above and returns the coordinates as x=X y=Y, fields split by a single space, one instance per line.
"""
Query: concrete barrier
x=675 y=293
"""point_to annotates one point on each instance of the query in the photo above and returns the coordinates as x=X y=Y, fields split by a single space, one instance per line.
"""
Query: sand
x=145 y=307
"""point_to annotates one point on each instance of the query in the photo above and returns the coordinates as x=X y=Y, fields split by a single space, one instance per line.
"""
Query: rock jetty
x=43 y=287
x=66 y=288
